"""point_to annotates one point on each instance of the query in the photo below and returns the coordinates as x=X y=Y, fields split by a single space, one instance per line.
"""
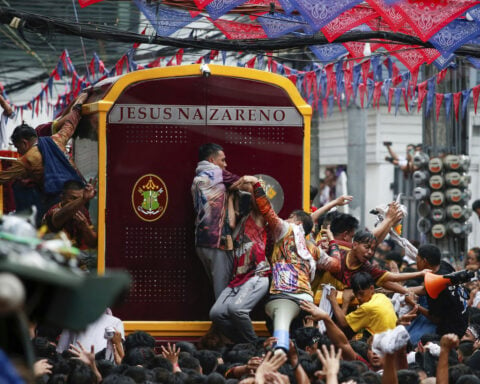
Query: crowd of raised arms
x=342 y=304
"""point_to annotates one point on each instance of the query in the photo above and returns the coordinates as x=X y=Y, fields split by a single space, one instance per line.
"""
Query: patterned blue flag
x=319 y=13
x=219 y=8
x=278 y=24
x=165 y=20
x=454 y=35
x=328 y=52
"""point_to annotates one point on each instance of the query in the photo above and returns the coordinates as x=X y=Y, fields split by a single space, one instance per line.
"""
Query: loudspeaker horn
x=282 y=312
x=435 y=284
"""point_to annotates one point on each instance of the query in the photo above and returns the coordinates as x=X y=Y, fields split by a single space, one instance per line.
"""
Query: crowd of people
x=343 y=304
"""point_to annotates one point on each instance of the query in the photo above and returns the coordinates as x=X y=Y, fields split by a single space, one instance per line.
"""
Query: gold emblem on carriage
x=149 y=197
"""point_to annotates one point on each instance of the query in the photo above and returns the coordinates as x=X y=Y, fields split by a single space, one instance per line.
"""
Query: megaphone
x=435 y=284
x=282 y=312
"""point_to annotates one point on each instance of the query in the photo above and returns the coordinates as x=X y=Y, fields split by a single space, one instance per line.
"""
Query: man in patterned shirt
x=293 y=266
x=212 y=234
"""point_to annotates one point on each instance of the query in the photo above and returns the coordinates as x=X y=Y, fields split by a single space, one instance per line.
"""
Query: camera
x=109 y=333
x=387 y=143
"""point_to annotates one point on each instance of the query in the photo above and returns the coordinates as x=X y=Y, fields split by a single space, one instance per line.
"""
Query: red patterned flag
x=86 y=3
x=411 y=58
x=347 y=20
x=202 y=3
x=390 y=15
x=428 y=17
x=235 y=30
x=355 y=49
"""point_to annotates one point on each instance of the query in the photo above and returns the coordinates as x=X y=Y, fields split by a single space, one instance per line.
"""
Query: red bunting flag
x=377 y=93
x=422 y=91
x=390 y=98
x=361 y=93
x=441 y=75
x=251 y=63
x=179 y=56
x=438 y=102
x=456 y=103
x=475 y=92
x=365 y=69
x=405 y=98
x=86 y=3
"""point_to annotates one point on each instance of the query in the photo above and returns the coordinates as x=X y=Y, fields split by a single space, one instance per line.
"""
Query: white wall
x=382 y=126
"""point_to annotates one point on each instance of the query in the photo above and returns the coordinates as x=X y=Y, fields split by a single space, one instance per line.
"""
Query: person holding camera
x=405 y=163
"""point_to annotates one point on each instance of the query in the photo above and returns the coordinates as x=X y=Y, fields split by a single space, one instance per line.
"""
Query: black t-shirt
x=448 y=307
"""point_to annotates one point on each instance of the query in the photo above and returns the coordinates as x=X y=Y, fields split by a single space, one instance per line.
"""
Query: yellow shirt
x=376 y=315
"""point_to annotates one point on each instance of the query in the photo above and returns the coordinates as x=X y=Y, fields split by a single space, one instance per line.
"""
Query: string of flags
x=322 y=86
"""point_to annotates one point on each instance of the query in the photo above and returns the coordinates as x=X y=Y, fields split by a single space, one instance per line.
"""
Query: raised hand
x=316 y=313
x=171 y=353
x=330 y=361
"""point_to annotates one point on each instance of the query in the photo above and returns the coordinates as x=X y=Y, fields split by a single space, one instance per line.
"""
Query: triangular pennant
x=456 y=103
x=430 y=93
x=422 y=91
x=465 y=100
x=398 y=94
x=475 y=92
x=447 y=98
x=390 y=98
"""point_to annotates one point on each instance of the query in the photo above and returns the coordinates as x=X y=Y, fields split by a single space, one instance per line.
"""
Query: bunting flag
x=218 y=8
x=355 y=49
x=277 y=25
x=454 y=35
x=389 y=14
x=347 y=21
x=447 y=98
x=163 y=19
x=430 y=94
x=422 y=91
x=201 y=4
x=86 y=3
x=427 y=17
x=235 y=30
x=475 y=92
x=438 y=102
x=465 y=99
x=328 y=52
x=319 y=13
x=456 y=103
